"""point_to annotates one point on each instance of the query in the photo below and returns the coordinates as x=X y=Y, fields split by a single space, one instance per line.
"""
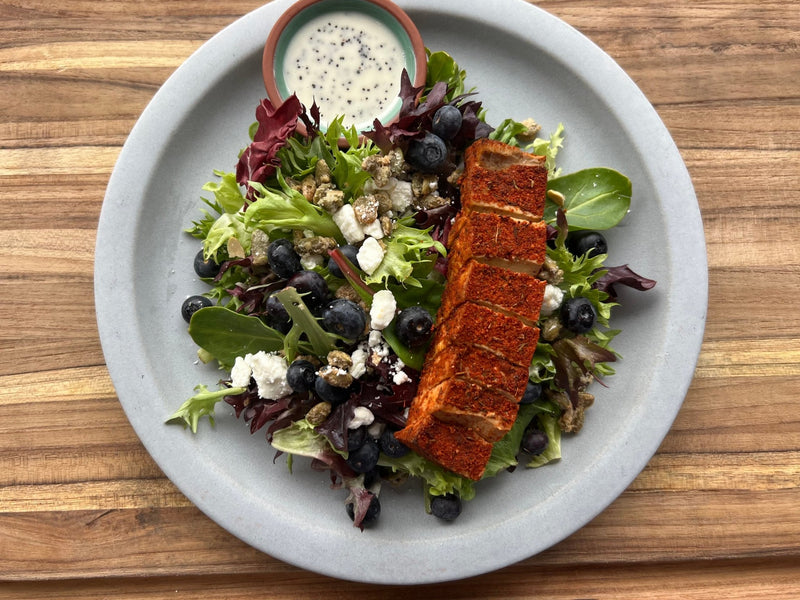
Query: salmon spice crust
x=476 y=369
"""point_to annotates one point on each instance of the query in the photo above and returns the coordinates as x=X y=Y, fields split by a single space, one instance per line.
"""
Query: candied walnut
x=366 y=208
x=551 y=329
x=397 y=162
x=347 y=292
x=532 y=128
x=318 y=413
x=387 y=225
x=550 y=272
x=328 y=198
x=378 y=165
x=423 y=184
x=433 y=200
x=308 y=187
x=259 y=242
x=339 y=359
x=314 y=245
x=384 y=201
x=335 y=376
x=571 y=420
x=453 y=178
x=322 y=172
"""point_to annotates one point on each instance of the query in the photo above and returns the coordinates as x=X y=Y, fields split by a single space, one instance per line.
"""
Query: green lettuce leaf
x=439 y=481
x=200 y=405
x=227 y=226
x=549 y=424
x=288 y=209
x=549 y=149
x=300 y=439
x=504 y=452
x=406 y=248
x=227 y=193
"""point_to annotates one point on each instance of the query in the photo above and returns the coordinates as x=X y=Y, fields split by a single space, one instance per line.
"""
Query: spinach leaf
x=225 y=334
x=594 y=198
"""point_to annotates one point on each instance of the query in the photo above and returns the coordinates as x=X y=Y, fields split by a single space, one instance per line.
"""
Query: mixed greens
x=310 y=226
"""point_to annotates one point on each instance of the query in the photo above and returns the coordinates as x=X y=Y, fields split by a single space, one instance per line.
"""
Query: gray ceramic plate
x=525 y=63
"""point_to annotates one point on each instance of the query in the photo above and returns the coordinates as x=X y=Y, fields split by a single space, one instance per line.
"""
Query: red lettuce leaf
x=622 y=275
x=275 y=125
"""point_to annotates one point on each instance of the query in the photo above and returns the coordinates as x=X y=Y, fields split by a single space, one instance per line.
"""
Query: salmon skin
x=476 y=368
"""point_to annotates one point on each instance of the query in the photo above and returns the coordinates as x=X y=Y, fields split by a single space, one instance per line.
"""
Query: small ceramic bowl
x=347 y=55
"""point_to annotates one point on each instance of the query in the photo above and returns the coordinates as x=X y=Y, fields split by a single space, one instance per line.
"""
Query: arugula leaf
x=595 y=199
x=200 y=405
x=225 y=334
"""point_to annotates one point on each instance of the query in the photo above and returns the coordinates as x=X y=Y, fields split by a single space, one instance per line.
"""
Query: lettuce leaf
x=549 y=149
x=549 y=425
x=200 y=405
x=228 y=226
x=407 y=248
x=504 y=452
x=438 y=480
x=227 y=193
x=288 y=209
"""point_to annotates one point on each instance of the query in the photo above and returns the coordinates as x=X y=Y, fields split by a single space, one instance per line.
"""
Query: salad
x=325 y=256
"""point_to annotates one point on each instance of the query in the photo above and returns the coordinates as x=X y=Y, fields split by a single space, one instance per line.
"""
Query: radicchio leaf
x=622 y=275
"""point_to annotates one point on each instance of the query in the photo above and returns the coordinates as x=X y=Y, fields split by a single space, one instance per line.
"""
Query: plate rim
x=208 y=58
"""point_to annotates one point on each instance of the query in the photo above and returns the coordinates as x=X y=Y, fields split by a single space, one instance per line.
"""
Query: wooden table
x=84 y=511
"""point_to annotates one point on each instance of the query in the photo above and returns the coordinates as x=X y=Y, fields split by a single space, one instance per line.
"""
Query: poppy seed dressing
x=349 y=63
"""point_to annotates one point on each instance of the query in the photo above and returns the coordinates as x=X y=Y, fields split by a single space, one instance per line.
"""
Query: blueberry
x=446 y=507
x=350 y=252
x=414 y=326
x=533 y=391
x=578 y=314
x=275 y=315
x=391 y=446
x=312 y=285
x=446 y=122
x=581 y=242
x=427 y=154
x=372 y=477
x=356 y=438
x=345 y=318
x=205 y=268
x=534 y=441
x=192 y=304
x=301 y=376
x=364 y=459
x=283 y=260
x=373 y=512
x=329 y=393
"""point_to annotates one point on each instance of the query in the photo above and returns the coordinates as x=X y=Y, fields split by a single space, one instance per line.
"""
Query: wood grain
x=86 y=513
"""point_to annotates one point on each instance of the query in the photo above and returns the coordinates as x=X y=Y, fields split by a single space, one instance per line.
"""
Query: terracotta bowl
x=383 y=11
